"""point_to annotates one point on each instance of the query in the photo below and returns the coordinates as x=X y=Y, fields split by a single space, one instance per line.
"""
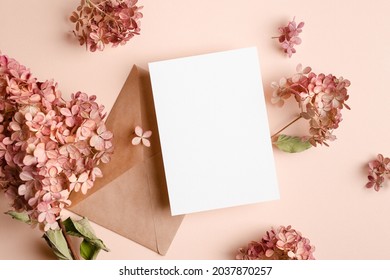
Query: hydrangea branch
x=320 y=99
x=289 y=36
x=49 y=147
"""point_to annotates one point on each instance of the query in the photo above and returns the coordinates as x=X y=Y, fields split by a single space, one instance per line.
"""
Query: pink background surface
x=322 y=190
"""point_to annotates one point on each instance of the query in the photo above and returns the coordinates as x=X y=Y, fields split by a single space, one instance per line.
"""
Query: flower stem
x=290 y=123
x=71 y=247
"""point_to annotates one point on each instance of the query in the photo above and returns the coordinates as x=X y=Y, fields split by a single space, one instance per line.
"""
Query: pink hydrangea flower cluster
x=289 y=36
x=378 y=169
x=49 y=147
x=284 y=243
x=320 y=98
x=99 y=23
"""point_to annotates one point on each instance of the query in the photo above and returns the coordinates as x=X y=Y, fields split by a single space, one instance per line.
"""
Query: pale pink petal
x=139 y=131
x=47 y=197
x=136 y=140
x=40 y=153
x=35 y=98
x=84 y=188
x=85 y=131
x=77 y=187
x=72 y=178
x=269 y=253
x=147 y=134
x=29 y=160
x=94 y=36
x=26 y=176
x=39 y=118
x=52 y=154
x=101 y=129
x=146 y=142
x=75 y=109
x=291 y=254
x=90 y=124
x=50 y=218
x=97 y=142
x=42 y=207
x=53 y=171
x=22 y=190
x=70 y=121
x=14 y=126
x=7 y=141
x=83 y=177
x=42 y=217
x=97 y=172
x=282 y=82
x=106 y=135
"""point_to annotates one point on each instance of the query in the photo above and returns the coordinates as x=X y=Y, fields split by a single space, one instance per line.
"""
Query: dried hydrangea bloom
x=289 y=36
x=320 y=99
x=49 y=147
x=378 y=169
x=99 y=23
x=284 y=243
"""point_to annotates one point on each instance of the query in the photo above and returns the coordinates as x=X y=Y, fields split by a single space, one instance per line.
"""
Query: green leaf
x=70 y=228
x=20 y=216
x=291 y=144
x=57 y=242
x=91 y=245
x=88 y=251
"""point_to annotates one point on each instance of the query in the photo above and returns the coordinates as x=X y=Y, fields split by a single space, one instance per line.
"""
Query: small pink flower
x=80 y=183
x=290 y=36
x=141 y=137
x=99 y=141
x=48 y=215
x=378 y=169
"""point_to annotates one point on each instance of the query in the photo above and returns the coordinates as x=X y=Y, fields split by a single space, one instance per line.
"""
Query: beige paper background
x=322 y=191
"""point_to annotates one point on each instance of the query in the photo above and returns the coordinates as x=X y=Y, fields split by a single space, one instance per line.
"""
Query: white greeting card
x=214 y=132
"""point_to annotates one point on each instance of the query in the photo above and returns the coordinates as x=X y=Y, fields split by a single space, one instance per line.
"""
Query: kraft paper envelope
x=131 y=199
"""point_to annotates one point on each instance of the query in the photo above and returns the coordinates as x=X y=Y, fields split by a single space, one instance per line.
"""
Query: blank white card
x=214 y=132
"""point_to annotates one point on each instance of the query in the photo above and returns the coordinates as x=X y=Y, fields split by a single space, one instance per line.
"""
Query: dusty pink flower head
x=320 y=99
x=49 y=147
x=289 y=36
x=284 y=243
x=99 y=23
x=378 y=170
